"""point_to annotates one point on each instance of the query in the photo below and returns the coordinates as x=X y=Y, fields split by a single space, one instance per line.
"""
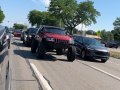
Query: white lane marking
x=43 y=82
x=102 y=71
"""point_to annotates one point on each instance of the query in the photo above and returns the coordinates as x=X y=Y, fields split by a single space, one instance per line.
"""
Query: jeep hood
x=57 y=36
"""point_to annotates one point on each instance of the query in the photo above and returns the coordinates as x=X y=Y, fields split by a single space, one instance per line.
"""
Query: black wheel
x=26 y=44
x=34 y=46
x=23 y=41
x=83 y=54
x=59 y=51
x=41 y=50
x=71 y=53
x=103 y=60
x=8 y=44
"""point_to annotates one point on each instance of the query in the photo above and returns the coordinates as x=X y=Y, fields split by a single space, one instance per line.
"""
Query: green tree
x=73 y=14
x=116 y=31
x=98 y=33
x=106 y=36
x=19 y=26
x=90 y=32
x=37 y=18
x=2 y=16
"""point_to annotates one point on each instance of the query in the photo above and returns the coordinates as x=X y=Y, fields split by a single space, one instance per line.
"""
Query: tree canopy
x=2 y=16
x=19 y=26
x=72 y=13
x=116 y=31
x=106 y=36
x=37 y=18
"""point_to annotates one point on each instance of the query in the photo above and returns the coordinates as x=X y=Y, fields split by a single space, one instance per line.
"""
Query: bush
x=115 y=54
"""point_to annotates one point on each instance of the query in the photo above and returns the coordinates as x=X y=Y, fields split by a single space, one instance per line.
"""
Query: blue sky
x=16 y=11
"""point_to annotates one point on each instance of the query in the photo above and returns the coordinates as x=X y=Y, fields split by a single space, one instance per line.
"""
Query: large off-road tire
x=23 y=42
x=71 y=53
x=59 y=51
x=8 y=44
x=103 y=60
x=26 y=44
x=40 y=50
x=34 y=46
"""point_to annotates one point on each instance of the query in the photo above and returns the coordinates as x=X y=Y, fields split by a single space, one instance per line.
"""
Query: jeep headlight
x=71 y=41
x=25 y=35
x=30 y=36
x=50 y=39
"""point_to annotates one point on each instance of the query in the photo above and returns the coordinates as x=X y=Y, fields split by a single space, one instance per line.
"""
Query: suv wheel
x=59 y=51
x=103 y=60
x=71 y=53
x=83 y=55
x=23 y=42
x=41 y=50
x=34 y=46
x=26 y=44
x=8 y=44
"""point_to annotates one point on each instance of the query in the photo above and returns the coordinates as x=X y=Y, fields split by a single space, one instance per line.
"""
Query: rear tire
x=8 y=44
x=23 y=42
x=41 y=50
x=71 y=53
x=34 y=46
x=26 y=44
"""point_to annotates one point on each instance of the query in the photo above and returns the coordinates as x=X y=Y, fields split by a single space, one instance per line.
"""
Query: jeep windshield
x=55 y=31
x=91 y=41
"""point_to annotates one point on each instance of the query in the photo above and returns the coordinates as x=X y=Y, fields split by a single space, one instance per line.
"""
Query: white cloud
x=81 y=27
x=44 y=2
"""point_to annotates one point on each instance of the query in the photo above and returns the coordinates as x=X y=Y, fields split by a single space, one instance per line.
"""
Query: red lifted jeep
x=49 y=38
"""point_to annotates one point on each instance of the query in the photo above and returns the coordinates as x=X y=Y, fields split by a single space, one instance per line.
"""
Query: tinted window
x=33 y=30
x=90 y=41
x=78 y=39
x=18 y=31
x=55 y=30
x=7 y=29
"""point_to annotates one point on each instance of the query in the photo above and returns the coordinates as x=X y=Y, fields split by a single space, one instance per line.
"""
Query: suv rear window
x=33 y=30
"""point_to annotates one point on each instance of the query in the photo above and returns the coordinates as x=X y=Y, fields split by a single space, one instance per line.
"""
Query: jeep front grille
x=61 y=41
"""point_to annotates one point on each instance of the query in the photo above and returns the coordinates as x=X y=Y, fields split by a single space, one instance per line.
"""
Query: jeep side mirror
x=67 y=33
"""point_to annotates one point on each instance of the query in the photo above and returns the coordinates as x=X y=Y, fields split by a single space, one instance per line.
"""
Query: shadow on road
x=28 y=55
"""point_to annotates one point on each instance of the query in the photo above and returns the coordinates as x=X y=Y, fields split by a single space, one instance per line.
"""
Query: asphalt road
x=61 y=74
